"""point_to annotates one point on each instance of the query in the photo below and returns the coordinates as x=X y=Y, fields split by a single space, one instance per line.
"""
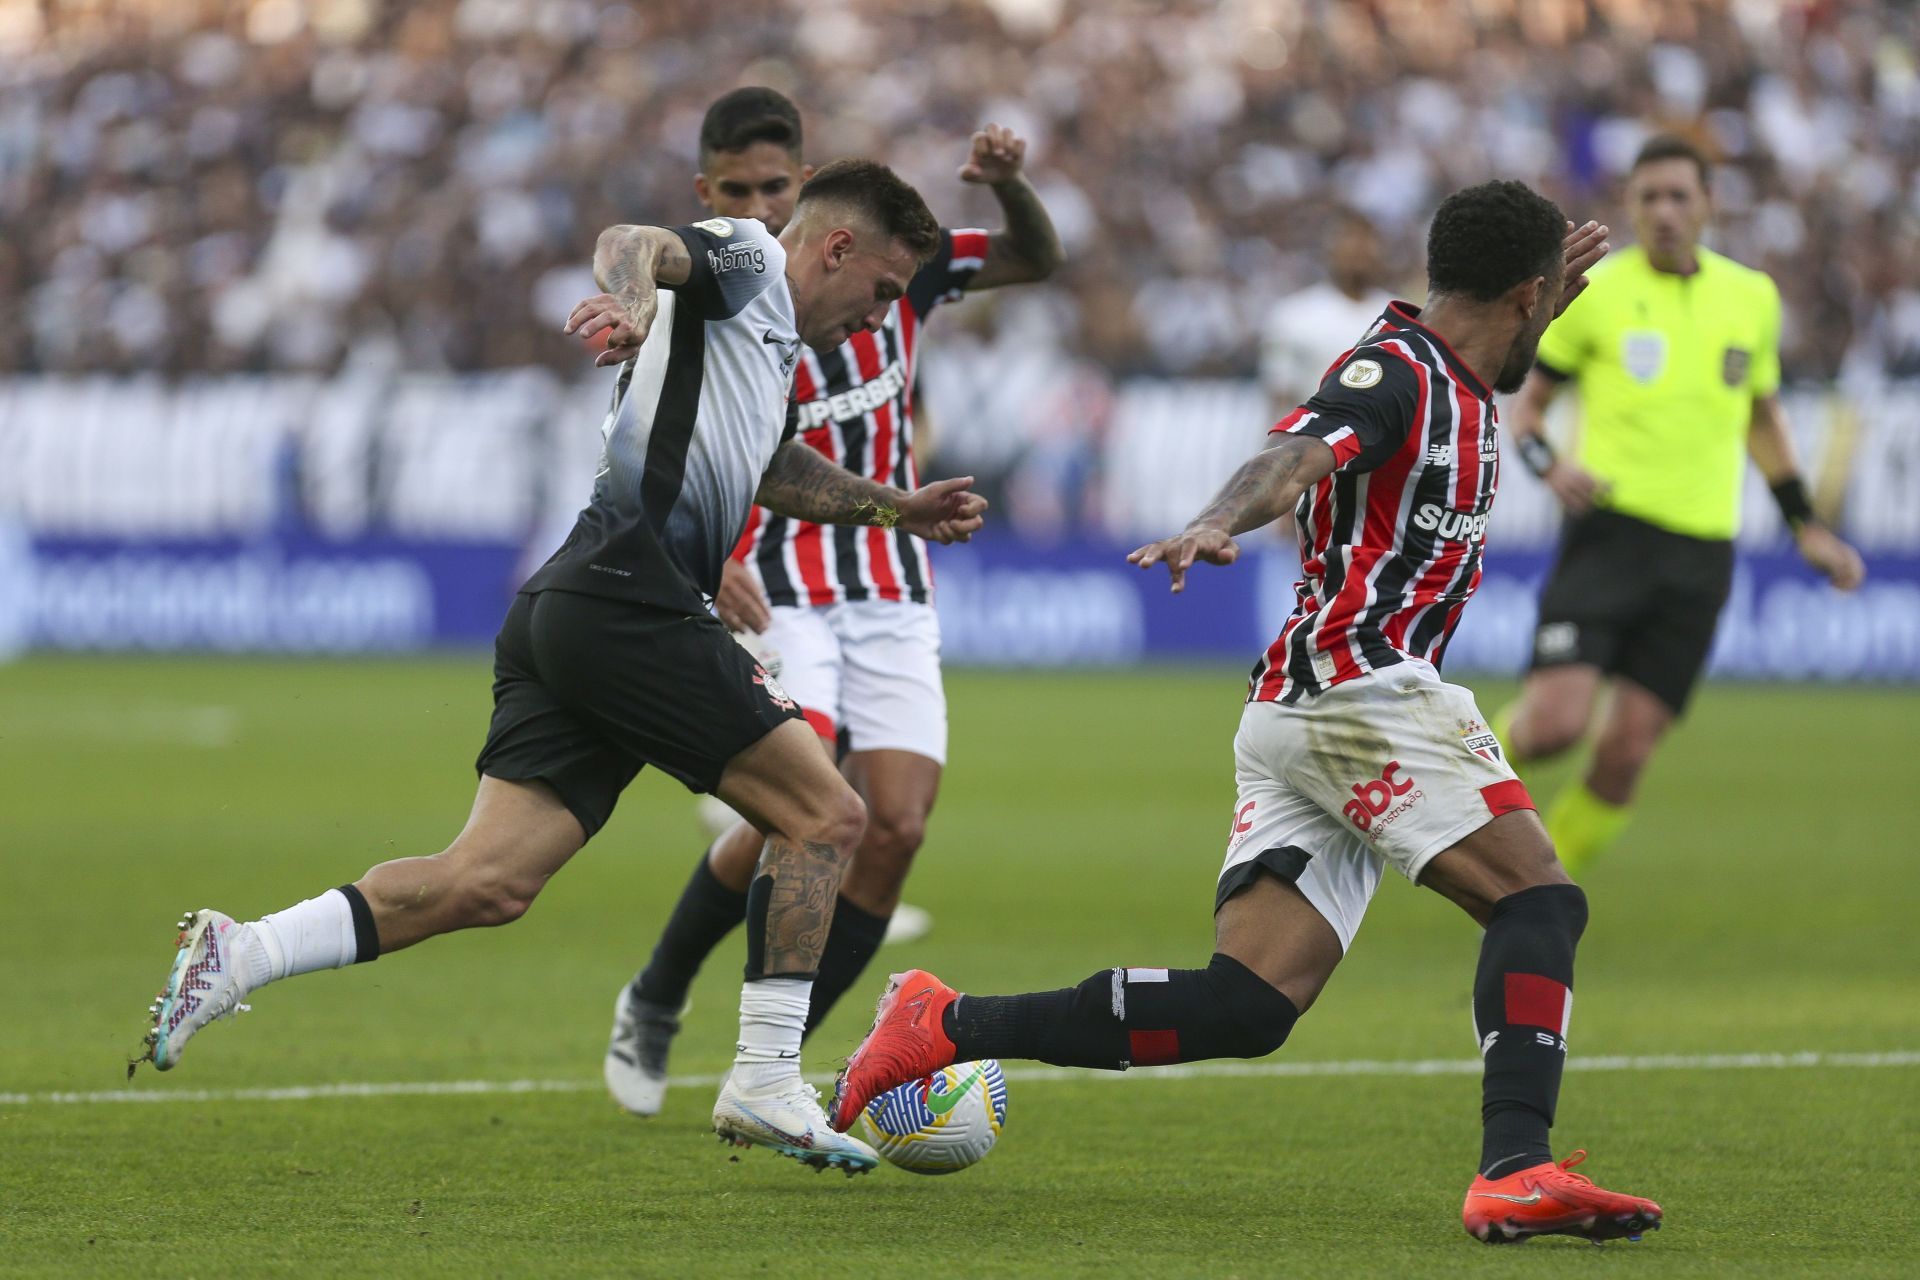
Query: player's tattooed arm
x=1265 y=488
x=1028 y=249
x=801 y=483
x=805 y=877
x=629 y=263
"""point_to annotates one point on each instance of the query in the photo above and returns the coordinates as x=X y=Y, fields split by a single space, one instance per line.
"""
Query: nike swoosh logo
x=1495 y=1195
x=941 y=1103
x=772 y=341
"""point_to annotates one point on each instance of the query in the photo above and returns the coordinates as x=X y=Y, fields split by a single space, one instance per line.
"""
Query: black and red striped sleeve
x=1364 y=410
x=962 y=252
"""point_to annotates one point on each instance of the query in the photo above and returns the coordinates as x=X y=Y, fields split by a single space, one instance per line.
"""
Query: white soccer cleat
x=788 y=1119
x=635 y=1067
x=908 y=924
x=204 y=984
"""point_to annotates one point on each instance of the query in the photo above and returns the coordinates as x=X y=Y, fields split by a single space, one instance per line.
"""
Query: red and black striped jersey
x=855 y=405
x=1390 y=543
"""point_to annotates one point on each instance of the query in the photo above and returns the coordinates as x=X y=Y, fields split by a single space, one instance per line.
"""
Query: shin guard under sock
x=1522 y=1000
x=1122 y=1018
x=706 y=912
x=852 y=940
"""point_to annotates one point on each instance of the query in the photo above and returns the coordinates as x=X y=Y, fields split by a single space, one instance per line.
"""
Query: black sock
x=1522 y=997
x=707 y=912
x=1122 y=1018
x=851 y=942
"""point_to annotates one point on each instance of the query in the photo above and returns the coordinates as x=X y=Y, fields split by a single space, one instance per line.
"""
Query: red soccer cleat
x=1547 y=1200
x=907 y=1043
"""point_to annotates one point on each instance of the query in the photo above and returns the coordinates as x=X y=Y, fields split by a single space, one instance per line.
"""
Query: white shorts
x=1395 y=767
x=868 y=668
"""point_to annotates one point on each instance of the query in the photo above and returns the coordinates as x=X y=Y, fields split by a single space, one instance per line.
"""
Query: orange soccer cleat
x=907 y=1043
x=1546 y=1200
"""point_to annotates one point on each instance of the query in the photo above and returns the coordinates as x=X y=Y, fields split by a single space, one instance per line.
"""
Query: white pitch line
x=1192 y=1071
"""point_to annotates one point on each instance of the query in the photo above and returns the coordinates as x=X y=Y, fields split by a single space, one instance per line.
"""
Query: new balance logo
x=1440 y=455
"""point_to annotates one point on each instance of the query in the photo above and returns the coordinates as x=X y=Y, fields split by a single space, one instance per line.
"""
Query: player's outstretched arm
x=800 y=483
x=630 y=263
x=1265 y=488
x=1028 y=250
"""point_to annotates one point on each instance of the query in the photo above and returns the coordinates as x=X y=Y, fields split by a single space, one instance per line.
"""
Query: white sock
x=773 y=1017
x=315 y=934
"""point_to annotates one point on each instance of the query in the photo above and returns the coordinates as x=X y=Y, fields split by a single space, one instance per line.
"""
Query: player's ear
x=806 y=171
x=703 y=189
x=1529 y=294
x=838 y=248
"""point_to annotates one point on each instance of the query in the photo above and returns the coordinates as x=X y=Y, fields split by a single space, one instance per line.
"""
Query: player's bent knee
x=893 y=838
x=842 y=821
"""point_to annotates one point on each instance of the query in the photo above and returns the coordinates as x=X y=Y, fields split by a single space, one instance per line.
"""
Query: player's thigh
x=535 y=737
x=1403 y=762
x=800 y=650
x=1637 y=718
x=518 y=834
x=1666 y=652
x=784 y=783
x=1508 y=854
x=899 y=787
x=1281 y=835
x=892 y=695
x=669 y=689
x=1556 y=703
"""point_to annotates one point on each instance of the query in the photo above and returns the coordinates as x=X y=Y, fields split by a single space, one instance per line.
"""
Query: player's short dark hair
x=887 y=199
x=1487 y=239
x=1671 y=146
x=755 y=114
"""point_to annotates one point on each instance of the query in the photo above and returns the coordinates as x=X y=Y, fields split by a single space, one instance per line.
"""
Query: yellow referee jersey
x=1668 y=368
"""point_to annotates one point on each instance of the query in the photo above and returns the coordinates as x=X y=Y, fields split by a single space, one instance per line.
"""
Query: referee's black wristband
x=1537 y=454
x=1795 y=507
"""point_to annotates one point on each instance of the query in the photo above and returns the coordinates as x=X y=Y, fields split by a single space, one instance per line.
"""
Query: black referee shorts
x=588 y=691
x=1636 y=601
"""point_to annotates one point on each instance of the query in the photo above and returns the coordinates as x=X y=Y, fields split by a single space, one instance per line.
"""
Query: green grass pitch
x=1764 y=901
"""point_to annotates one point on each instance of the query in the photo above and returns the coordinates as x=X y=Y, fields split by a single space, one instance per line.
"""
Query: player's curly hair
x=1487 y=239
x=887 y=200
x=739 y=119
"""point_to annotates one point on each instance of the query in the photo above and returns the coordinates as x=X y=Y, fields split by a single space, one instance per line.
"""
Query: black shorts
x=1636 y=601
x=587 y=692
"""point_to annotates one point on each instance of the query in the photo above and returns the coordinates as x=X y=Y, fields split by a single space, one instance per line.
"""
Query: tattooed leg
x=790 y=907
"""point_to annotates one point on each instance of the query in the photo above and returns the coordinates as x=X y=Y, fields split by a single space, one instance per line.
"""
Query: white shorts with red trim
x=1396 y=766
x=870 y=667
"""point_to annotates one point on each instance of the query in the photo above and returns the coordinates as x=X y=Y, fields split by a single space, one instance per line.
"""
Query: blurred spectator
x=297 y=184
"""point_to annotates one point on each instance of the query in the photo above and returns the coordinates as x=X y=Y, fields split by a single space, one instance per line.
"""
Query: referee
x=1675 y=354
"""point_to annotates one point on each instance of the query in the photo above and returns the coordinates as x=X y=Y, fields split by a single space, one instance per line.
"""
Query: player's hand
x=624 y=321
x=944 y=511
x=1584 y=246
x=1576 y=487
x=996 y=157
x=1202 y=542
x=1831 y=556
x=740 y=602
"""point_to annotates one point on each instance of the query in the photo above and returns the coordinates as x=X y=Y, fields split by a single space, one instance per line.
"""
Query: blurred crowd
x=315 y=184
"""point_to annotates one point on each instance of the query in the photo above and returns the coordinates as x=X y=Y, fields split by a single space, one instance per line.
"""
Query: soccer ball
x=940 y=1124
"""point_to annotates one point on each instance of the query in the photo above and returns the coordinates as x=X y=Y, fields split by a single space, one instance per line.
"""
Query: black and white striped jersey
x=696 y=417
